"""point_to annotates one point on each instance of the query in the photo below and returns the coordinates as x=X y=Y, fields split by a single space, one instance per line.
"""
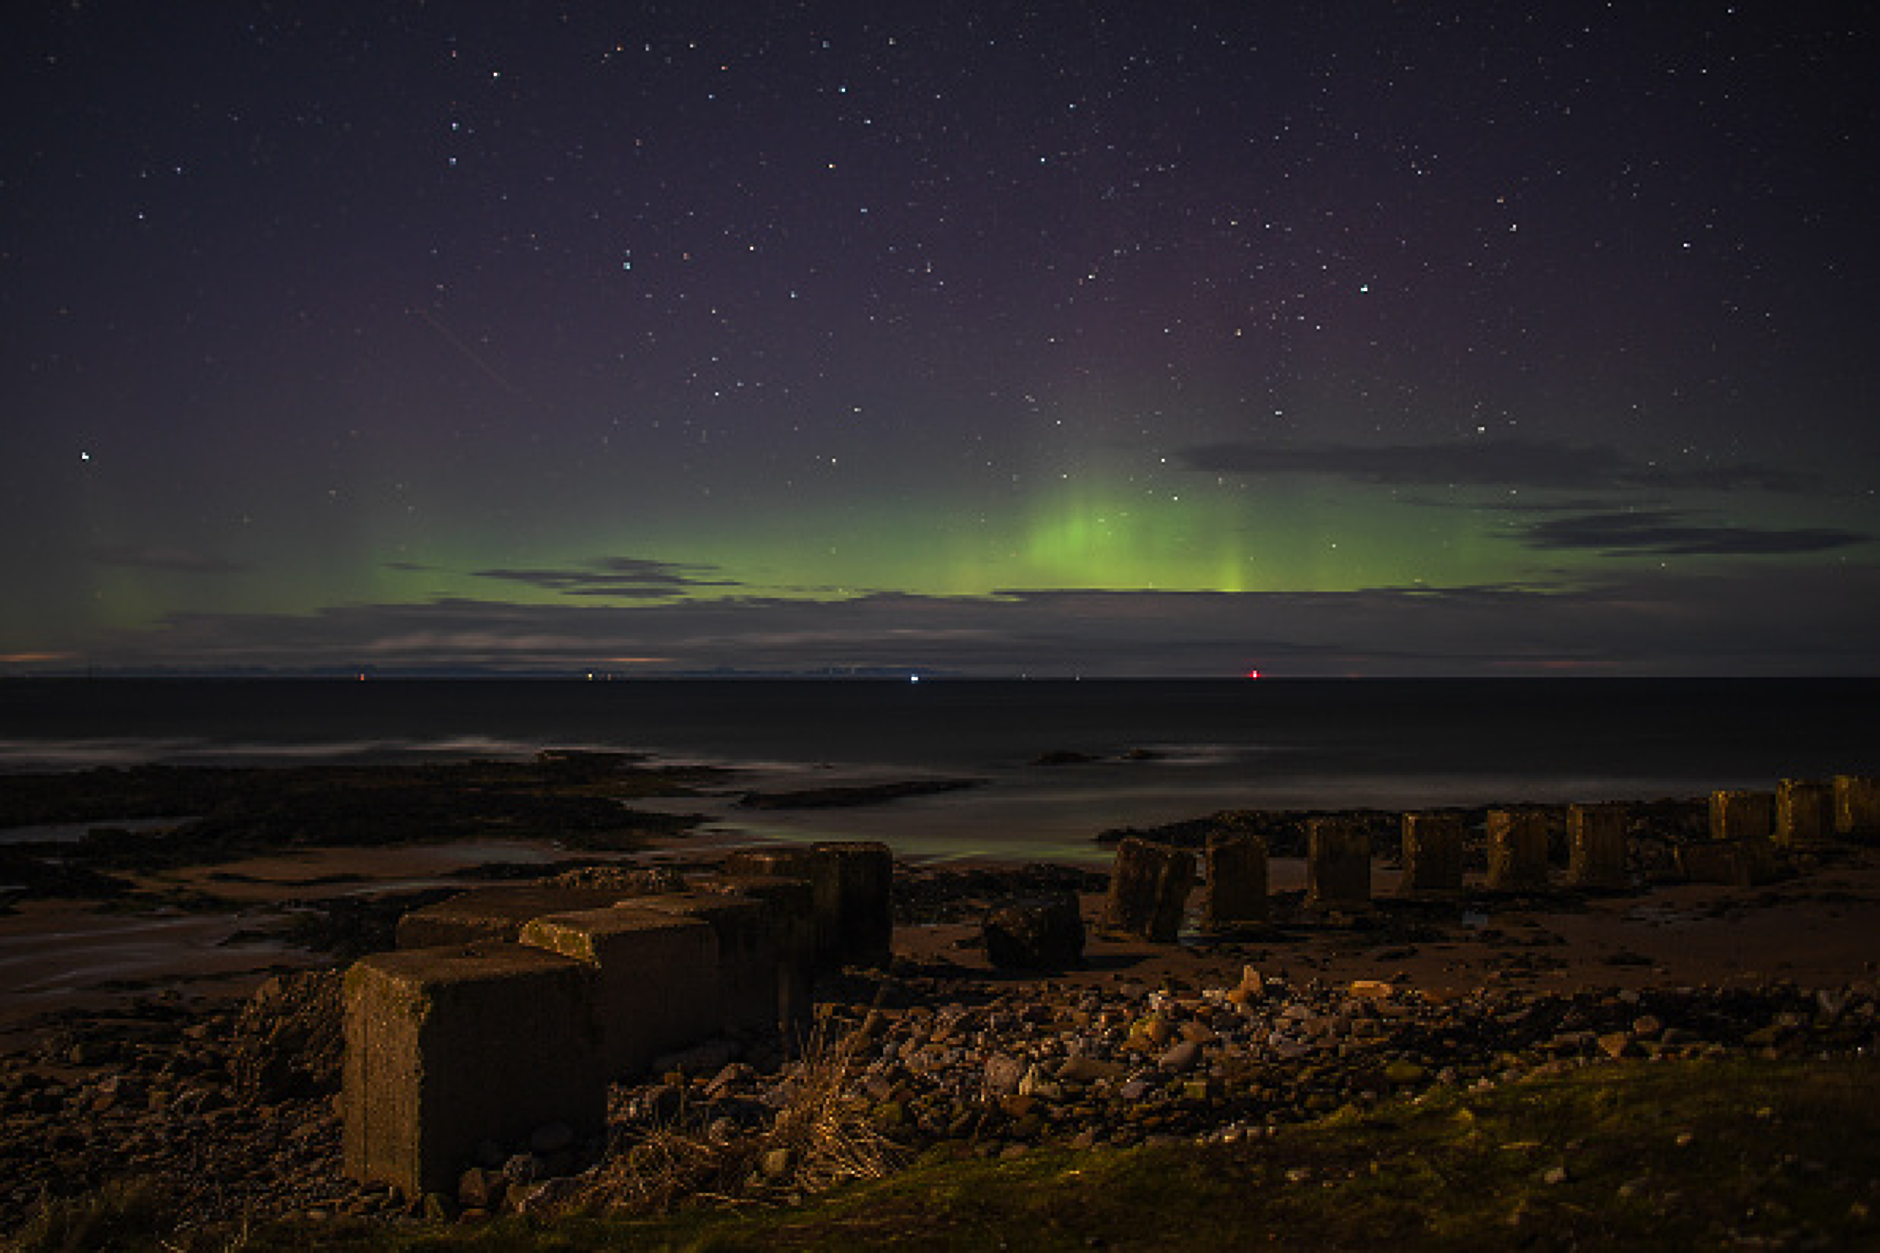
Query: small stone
x=1555 y=1175
x=776 y=1164
x=1183 y=1057
x=1003 y=1074
x=1088 y=1070
x=1617 y=1044
x=1404 y=1072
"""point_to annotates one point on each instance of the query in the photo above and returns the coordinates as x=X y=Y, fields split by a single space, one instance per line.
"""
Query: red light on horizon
x=1253 y=674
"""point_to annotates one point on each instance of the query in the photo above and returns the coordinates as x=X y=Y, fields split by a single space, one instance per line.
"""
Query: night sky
x=1048 y=338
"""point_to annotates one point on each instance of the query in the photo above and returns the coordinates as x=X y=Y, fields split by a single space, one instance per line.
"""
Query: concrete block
x=448 y=1047
x=1432 y=854
x=1517 y=850
x=1596 y=846
x=1733 y=863
x=1237 y=880
x=852 y=882
x=1804 y=813
x=1338 y=864
x=656 y=979
x=1742 y=815
x=747 y=952
x=1149 y=886
x=496 y=913
x=865 y=875
x=1856 y=807
x=791 y=905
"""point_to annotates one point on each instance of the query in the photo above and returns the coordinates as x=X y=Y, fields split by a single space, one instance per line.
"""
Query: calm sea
x=1161 y=750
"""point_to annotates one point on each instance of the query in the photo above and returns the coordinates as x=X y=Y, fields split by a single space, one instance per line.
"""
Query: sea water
x=1057 y=761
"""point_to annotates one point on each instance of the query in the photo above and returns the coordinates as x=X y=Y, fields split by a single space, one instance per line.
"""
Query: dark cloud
x=1667 y=533
x=624 y=578
x=1504 y=463
x=1656 y=622
x=167 y=559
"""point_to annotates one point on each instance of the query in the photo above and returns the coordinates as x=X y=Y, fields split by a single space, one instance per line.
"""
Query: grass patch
x=1636 y=1156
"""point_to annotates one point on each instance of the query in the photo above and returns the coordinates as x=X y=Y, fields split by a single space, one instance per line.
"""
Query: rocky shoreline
x=232 y=1109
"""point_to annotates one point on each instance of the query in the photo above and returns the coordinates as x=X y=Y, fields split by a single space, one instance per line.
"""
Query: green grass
x=1654 y=1156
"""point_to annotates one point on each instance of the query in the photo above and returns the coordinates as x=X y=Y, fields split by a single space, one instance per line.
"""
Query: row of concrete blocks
x=508 y=1009
x=1150 y=883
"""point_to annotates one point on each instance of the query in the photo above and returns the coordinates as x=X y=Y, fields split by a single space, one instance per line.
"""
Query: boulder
x=1036 y=933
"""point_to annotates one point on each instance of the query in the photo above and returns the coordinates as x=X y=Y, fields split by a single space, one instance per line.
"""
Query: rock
x=1183 y=1057
x=1617 y=1044
x=522 y=1168
x=1402 y=1072
x=1003 y=1075
x=481 y=1189
x=1036 y=933
x=289 y=1039
x=777 y=1164
x=1088 y=1070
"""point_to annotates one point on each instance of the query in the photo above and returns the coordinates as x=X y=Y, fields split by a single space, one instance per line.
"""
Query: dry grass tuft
x=821 y=1137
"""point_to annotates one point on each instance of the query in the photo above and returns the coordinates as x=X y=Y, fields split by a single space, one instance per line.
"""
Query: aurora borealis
x=1036 y=339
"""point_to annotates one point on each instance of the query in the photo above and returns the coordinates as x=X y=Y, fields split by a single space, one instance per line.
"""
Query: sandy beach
x=1813 y=927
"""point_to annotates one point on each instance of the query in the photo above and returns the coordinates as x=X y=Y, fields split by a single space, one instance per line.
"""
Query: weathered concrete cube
x=1804 y=813
x=1338 y=864
x=747 y=952
x=791 y=904
x=1517 y=850
x=1149 y=886
x=853 y=885
x=1856 y=807
x=1432 y=854
x=1237 y=880
x=1596 y=846
x=495 y=913
x=1733 y=863
x=656 y=978
x=448 y=1047
x=1742 y=815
